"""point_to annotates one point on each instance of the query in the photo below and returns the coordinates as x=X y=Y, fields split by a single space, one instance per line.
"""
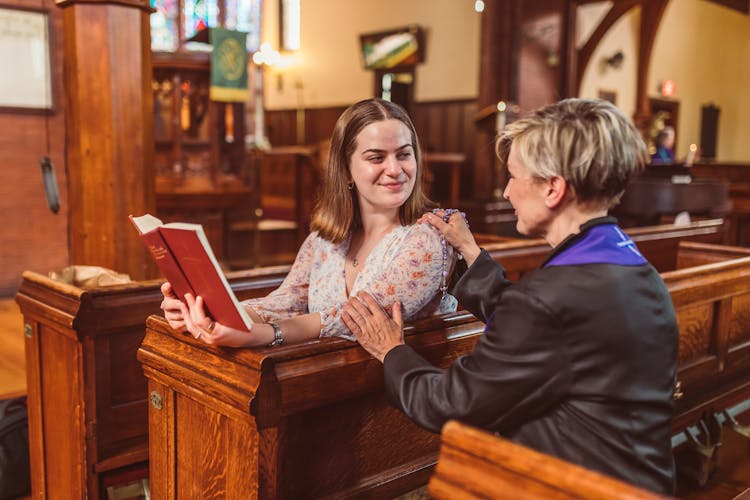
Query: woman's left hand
x=197 y=323
x=375 y=330
x=202 y=327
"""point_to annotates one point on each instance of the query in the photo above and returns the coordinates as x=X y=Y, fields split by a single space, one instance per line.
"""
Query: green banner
x=228 y=65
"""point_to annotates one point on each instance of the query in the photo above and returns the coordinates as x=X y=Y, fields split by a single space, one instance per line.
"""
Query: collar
x=599 y=241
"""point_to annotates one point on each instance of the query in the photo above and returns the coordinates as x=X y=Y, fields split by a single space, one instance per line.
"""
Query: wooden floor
x=731 y=479
x=12 y=359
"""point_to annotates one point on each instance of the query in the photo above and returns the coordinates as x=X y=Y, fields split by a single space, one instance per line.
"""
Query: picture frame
x=394 y=49
x=25 y=47
x=608 y=95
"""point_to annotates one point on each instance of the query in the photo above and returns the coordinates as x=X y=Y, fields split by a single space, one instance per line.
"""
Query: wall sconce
x=615 y=61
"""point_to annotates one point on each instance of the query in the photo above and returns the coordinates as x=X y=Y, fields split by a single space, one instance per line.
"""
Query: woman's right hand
x=456 y=232
x=173 y=308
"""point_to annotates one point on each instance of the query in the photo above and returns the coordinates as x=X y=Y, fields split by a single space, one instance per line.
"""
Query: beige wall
x=623 y=36
x=329 y=67
x=705 y=49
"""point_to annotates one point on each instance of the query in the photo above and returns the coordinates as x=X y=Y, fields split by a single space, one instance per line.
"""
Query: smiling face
x=527 y=195
x=383 y=166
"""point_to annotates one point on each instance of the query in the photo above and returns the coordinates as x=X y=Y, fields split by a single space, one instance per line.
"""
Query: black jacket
x=577 y=361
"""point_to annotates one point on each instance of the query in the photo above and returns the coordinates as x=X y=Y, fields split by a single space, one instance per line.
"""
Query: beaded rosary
x=446 y=218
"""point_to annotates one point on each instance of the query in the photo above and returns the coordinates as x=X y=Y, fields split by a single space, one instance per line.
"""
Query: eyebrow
x=374 y=150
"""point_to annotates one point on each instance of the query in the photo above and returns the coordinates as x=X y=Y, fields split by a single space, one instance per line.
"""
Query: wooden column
x=498 y=80
x=109 y=128
x=651 y=14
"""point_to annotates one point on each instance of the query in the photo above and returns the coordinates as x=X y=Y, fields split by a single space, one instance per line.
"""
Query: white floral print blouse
x=406 y=265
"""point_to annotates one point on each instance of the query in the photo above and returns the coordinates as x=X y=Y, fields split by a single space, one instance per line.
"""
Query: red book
x=185 y=258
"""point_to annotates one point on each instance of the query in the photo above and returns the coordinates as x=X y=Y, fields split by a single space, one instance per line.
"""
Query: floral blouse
x=406 y=265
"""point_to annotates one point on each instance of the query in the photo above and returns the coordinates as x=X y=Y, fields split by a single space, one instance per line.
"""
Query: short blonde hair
x=337 y=211
x=588 y=142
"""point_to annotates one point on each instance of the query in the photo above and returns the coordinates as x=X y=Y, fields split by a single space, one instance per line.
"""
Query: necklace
x=446 y=218
x=355 y=262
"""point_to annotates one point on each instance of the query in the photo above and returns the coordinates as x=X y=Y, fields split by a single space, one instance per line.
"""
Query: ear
x=556 y=191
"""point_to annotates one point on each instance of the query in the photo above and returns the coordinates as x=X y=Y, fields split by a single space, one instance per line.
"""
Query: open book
x=185 y=258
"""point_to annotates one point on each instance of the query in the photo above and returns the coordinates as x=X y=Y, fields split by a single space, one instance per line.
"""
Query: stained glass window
x=164 y=29
x=167 y=35
x=244 y=15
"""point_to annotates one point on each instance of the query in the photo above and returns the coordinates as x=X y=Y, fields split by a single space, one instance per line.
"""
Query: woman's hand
x=173 y=308
x=456 y=231
x=375 y=331
x=204 y=328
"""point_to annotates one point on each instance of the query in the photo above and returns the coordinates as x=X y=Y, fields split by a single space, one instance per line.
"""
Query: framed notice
x=25 y=58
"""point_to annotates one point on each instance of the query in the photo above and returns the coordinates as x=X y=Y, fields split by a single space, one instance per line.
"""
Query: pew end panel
x=86 y=390
x=475 y=464
x=305 y=420
x=83 y=393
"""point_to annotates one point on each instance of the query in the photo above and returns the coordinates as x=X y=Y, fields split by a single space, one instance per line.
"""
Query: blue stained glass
x=164 y=25
x=246 y=17
x=199 y=14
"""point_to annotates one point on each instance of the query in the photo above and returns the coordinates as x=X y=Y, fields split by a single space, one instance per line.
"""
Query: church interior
x=111 y=108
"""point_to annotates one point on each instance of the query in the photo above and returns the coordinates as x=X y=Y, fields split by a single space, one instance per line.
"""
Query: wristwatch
x=278 y=338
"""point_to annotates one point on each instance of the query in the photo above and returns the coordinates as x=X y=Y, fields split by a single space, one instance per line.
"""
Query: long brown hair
x=337 y=211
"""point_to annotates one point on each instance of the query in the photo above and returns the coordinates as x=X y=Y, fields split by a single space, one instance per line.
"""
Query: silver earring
x=350 y=185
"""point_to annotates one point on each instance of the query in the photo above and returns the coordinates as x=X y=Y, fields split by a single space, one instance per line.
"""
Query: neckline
x=363 y=263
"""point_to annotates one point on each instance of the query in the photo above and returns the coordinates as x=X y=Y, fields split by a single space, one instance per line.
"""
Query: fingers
x=196 y=320
x=168 y=291
x=396 y=314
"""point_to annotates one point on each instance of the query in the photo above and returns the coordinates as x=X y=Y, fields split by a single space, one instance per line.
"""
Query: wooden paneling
x=24 y=140
x=738 y=176
x=442 y=126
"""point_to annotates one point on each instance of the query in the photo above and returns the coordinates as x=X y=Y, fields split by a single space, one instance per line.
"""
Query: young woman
x=364 y=237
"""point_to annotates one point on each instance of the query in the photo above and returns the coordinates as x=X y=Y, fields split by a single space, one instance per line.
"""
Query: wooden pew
x=315 y=412
x=712 y=301
x=87 y=396
x=92 y=336
x=307 y=420
x=475 y=464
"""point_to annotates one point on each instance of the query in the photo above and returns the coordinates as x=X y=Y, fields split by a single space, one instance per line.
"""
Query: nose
x=393 y=166
x=506 y=191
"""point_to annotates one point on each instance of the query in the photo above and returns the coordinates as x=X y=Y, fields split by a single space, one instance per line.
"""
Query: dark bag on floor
x=15 y=477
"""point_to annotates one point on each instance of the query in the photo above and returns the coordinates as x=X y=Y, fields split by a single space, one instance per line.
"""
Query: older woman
x=578 y=358
x=365 y=237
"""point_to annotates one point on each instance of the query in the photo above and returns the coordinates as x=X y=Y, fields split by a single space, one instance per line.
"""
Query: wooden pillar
x=651 y=14
x=498 y=81
x=109 y=131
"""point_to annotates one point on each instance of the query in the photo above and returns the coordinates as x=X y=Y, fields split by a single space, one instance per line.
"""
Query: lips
x=394 y=186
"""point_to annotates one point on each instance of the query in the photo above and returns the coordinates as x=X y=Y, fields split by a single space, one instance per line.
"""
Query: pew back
x=474 y=464
x=712 y=302
x=657 y=243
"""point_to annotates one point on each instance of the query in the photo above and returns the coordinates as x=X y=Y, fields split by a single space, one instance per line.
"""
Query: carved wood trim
x=584 y=53
x=739 y=5
x=651 y=14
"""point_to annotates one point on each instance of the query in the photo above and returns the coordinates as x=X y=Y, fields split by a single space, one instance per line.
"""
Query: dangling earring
x=350 y=185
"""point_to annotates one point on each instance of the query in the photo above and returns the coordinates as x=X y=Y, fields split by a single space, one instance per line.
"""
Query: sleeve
x=481 y=286
x=412 y=274
x=290 y=298
x=517 y=371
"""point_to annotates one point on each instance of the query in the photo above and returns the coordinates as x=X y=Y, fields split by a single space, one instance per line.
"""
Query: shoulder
x=423 y=235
